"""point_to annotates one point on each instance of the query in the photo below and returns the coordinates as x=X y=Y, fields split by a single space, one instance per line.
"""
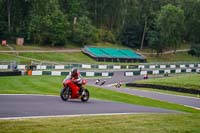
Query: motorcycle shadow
x=76 y=101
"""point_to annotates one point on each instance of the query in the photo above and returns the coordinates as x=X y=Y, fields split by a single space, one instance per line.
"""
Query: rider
x=76 y=78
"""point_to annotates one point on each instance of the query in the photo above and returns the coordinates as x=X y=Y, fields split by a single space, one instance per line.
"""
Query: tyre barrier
x=11 y=73
x=55 y=73
x=163 y=87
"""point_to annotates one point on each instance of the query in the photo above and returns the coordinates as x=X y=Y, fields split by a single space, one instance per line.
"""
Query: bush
x=131 y=35
x=107 y=36
x=195 y=50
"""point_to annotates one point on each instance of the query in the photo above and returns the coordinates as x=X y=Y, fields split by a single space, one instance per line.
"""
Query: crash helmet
x=74 y=72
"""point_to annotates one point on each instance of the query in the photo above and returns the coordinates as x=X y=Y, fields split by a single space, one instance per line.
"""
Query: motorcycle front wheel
x=65 y=93
x=85 y=96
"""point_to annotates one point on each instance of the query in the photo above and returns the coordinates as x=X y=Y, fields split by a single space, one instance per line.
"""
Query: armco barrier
x=153 y=86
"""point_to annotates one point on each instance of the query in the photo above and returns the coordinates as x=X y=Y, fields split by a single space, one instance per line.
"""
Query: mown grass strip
x=59 y=57
x=164 y=91
x=79 y=57
x=178 y=57
x=187 y=81
x=140 y=123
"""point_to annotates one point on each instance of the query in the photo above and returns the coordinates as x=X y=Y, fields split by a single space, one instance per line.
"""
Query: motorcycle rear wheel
x=86 y=96
x=65 y=93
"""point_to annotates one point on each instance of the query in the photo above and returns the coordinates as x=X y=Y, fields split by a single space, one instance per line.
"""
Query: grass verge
x=59 y=57
x=10 y=57
x=165 y=91
x=79 y=57
x=178 y=57
x=52 y=84
x=187 y=81
x=144 y=123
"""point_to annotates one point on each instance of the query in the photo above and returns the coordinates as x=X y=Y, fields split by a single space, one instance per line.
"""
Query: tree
x=192 y=20
x=148 y=10
x=107 y=14
x=130 y=21
x=171 y=24
x=131 y=31
x=145 y=10
x=73 y=8
x=155 y=41
x=84 y=32
x=13 y=18
x=9 y=4
x=48 y=24
x=139 y=15
x=3 y=22
x=131 y=35
x=195 y=50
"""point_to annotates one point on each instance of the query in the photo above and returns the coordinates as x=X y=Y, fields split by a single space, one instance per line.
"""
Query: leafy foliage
x=131 y=36
x=171 y=25
x=192 y=16
x=135 y=23
x=195 y=50
x=83 y=31
x=107 y=36
x=154 y=41
x=49 y=25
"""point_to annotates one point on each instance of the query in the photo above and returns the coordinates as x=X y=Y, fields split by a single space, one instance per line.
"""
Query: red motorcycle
x=71 y=90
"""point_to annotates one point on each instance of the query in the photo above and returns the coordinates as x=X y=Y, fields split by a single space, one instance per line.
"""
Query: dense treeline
x=135 y=23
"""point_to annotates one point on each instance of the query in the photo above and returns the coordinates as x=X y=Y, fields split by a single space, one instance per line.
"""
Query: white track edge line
x=78 y=115
x=161 y=93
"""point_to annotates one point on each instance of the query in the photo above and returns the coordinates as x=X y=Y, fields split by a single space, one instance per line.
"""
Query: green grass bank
x=139 y=123
x=191 y=81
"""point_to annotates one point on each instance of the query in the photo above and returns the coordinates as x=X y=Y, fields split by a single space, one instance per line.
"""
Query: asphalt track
x=12 y=106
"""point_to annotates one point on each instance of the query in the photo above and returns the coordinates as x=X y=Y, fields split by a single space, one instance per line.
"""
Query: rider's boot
x=80 y=91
